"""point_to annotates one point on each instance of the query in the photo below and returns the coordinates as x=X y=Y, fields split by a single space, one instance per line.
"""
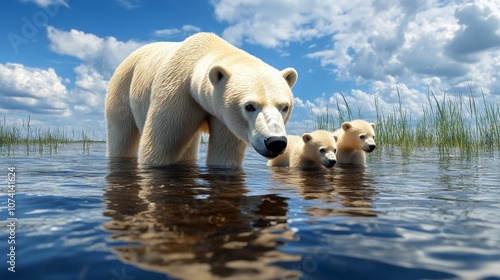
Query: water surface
x=82 y=216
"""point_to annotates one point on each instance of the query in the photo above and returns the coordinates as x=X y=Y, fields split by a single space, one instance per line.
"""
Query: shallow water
x=82 y=216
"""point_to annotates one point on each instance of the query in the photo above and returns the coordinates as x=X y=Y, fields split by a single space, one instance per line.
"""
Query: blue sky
x=57 y=56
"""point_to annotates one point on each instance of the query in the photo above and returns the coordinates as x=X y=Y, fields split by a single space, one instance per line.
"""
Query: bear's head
x=320 y=147
x=359 y=135
x=255 y=103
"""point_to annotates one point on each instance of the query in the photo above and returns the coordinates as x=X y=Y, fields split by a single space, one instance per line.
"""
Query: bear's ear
x=306 y=137
x=346 y=126
x=290 y=76
x=336 y=138
x=373 y=125
x=217 y=73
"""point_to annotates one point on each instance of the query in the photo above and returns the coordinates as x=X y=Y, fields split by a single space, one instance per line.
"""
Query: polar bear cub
x=311 y=150
x=164 y=95
x=355 y=139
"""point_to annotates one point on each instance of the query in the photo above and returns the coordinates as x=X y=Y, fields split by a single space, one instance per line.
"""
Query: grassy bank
x=39 y=140
x=464 y=125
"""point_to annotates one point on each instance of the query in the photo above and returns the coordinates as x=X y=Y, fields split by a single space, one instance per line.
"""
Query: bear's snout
x=275 y=145
x=330 y=163
x=372 y=147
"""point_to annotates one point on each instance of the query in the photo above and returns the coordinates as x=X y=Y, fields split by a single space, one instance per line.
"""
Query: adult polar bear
x=165 y=94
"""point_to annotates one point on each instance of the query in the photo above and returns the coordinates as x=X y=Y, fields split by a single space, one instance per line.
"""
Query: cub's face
x=256 y=107
x=362 y=133
x=367 y=142
x=321 y=147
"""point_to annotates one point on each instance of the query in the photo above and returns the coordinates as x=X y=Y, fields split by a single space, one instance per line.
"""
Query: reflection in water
x=195 y=224
x=345 y=190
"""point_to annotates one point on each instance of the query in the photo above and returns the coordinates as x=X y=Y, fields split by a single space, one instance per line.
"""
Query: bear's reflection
x=195 y=224
x=344 y=190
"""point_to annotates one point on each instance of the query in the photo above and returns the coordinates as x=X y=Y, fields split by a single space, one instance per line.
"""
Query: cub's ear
x=346 y=126
x=373 y=125
x=290 y=76
x=306 y=137
x=218 y=73
x=336 y=138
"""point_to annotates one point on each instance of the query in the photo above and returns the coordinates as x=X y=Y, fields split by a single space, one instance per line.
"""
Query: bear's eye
x=361 y=137
x=335 y=151
x=285 y=109
x=322 y=150
x=249 y=108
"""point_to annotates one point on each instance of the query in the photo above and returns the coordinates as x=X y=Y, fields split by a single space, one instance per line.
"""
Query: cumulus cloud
x=368 y=41
x=298 y=103
x=102 y=54
x=99 y=58
x=89 y=91
x=275 y=23
x=446 y=44
x=42 y=91
x=479 y=30
x=32 y=89
x=299 y=127
x=381 y=97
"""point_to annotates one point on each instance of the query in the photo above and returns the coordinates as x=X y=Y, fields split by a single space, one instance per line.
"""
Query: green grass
x=39 y=140
x=464 y=125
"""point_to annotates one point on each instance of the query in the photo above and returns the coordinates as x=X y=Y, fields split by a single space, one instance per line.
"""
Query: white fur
x=311 y=150
x=354 y=141
x=165 y=94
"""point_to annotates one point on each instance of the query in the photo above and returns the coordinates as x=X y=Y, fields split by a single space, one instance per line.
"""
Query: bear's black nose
x=372 y=147
x=276 y=145
x=329 y=163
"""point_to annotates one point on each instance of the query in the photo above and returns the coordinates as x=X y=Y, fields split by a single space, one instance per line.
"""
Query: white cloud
x=89 y=79
x=40 y=91
x=383 y=46
x=479 y=31
x=275 y=23
x=102 y=54
x=383 y=98
x=32 y=89
x=46 y=3
x=366 y=39
x=300 y=126
x=298 y=103
x=184 y=31
x=99 y=59
x=129 y=4
x=89 y=91
x=74 y=42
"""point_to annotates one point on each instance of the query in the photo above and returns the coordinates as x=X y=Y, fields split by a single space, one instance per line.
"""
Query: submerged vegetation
x=39 y=140
x=464 y=125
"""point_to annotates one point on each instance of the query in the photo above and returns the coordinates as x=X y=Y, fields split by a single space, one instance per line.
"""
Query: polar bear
x=355 y=139
x=163 y=95
x=311 y=150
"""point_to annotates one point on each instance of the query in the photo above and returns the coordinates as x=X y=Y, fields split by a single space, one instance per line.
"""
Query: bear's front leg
x=169 y=134
x=224 y=148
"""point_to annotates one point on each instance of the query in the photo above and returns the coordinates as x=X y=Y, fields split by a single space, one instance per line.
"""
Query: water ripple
x=404 y=216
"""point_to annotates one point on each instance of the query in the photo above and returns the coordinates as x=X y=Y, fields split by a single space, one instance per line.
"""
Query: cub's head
x=320 y=147
x=255 y=102
x=359 y=135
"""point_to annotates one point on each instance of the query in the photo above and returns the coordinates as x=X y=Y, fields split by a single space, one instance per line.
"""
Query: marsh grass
x=333 y=120
x=465 y=125
x=33 y=140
